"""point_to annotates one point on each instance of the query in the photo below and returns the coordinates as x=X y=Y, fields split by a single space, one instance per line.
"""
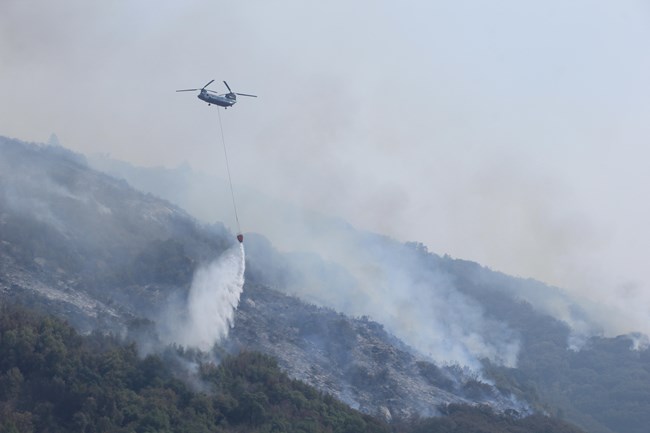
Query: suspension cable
x=232 y=192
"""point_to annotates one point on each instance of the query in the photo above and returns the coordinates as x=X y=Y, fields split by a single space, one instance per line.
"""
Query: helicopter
x=223 y=100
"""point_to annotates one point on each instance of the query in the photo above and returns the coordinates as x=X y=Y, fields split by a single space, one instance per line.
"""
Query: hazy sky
x=507 y=132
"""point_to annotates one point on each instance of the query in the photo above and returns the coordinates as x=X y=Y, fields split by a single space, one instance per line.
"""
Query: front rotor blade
x=207 y=84
x=187 y=90
x=245 y=94
x=227 y=86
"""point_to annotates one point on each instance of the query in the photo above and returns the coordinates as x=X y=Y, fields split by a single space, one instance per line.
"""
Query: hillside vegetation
x=54 y=380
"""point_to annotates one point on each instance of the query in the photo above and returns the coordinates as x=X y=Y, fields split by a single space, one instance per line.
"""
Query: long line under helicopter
x=223 y=100
x=240 y=235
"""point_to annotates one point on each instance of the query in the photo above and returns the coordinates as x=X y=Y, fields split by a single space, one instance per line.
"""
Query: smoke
x=440 y=322
x=421 y=305
x=397 y=285
x=354 y=272
x=639 y=341
x=211 y=304
x=468 y=126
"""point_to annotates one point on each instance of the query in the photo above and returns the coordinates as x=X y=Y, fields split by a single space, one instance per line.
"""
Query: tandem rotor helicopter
x=223 y=100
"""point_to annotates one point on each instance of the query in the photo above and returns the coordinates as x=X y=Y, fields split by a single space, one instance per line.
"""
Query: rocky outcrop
x=355 y=360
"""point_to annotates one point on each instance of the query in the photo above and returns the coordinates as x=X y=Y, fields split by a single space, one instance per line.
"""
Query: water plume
x=212 y=301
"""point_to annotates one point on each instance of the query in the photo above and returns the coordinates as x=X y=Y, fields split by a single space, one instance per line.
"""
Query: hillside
x=357 y=360
x=91 y=249
x=132 y=275
x=55 y=380
x=564 y=363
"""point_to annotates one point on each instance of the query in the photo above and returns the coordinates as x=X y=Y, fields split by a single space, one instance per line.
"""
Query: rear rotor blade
x=207 y=85
x=227 y=86
x=187 y=90
x=245 y=94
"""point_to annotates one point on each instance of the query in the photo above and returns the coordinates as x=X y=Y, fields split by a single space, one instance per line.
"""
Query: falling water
x=214 y=296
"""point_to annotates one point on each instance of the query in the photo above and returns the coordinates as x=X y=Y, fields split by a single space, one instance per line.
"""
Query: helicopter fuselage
x=221 y=100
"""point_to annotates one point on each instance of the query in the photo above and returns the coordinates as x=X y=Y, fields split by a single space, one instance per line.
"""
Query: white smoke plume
x=213 y=299
x=416 y=303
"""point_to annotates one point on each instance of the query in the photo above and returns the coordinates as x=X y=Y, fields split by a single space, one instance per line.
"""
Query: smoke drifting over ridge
x=423 y=307
x=399 y=286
